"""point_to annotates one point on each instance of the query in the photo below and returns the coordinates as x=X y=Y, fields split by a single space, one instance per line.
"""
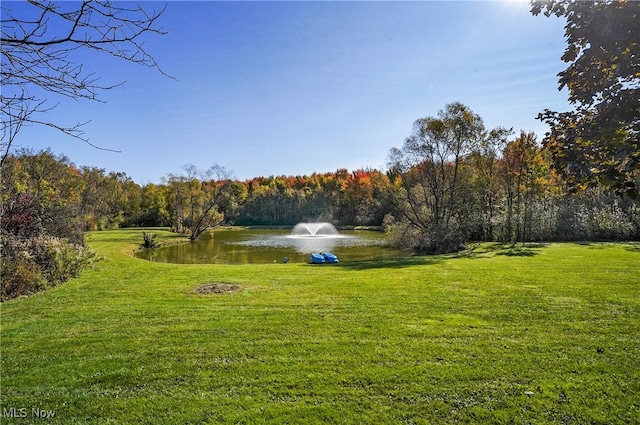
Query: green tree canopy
x=597 y=143
x=431 y=195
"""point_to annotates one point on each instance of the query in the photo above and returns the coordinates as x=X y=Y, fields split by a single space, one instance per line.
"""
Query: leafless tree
x=37 y=44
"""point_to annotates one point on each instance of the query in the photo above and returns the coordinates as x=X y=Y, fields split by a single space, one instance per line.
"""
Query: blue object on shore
x=324 y=257
x=317 y=258
x=329 y=257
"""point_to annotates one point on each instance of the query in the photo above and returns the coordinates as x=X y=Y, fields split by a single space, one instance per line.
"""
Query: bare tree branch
x=36 y=47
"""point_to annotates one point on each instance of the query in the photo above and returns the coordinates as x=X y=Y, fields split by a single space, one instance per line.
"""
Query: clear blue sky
x=272 y=88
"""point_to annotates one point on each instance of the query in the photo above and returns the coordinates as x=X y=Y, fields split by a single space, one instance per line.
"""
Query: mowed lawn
x=534 y=334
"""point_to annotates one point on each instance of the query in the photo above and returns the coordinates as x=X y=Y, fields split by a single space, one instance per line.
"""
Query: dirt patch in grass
x=217 y=288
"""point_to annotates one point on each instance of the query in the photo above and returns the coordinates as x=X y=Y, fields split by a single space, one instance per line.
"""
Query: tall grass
x=526 y=334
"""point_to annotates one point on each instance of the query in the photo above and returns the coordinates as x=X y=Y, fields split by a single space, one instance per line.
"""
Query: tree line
x=191 y=201
x=451 y=175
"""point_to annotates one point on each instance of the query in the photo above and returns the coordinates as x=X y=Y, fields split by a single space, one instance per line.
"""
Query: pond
x=261 y=246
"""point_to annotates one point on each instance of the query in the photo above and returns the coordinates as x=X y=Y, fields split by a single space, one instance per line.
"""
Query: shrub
x=35 y=264
x=611 y=223
x=149 y=240
x=425 y=241
x=20 y=276
x=21 y=216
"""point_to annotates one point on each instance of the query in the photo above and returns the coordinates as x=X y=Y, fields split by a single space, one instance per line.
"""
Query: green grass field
x=535 y=334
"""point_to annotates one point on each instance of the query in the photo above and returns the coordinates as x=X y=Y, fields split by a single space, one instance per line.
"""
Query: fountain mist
x=322 y=229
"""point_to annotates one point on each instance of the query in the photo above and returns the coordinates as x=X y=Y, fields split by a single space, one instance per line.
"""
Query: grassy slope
x=535 y=335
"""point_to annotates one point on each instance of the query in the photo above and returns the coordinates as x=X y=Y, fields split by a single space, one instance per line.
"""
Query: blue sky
x=272 y=88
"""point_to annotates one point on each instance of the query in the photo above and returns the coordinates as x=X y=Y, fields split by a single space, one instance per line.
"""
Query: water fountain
x=314 y=230
x=317 y=238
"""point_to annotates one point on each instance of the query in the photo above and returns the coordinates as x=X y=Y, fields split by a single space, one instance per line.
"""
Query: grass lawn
x=537 y=334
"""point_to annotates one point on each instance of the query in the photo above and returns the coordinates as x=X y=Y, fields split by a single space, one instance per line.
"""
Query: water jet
x=313 y=230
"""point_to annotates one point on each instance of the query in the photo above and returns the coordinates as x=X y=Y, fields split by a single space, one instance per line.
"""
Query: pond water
x=261 y=246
